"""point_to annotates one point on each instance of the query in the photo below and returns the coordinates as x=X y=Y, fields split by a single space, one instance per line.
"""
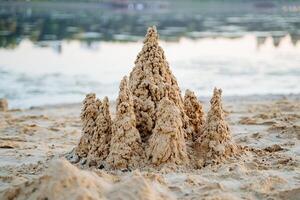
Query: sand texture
x=100 y=143
x=3 y=105
x=88 y=117
x=153 y=144
x=32 y=139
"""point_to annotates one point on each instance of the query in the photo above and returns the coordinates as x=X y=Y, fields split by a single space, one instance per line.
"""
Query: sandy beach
x=34 y=138
x=92 y=110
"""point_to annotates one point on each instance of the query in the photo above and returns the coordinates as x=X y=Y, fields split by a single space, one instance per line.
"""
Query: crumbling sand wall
x=88 y=117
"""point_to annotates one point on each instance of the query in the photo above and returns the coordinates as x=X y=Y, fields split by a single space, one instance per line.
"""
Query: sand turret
x=167 y=143
x=125 y=147
x=88 y=117
x=215 y=143
x=150 y=81
x=194 y=110
x=100 y=142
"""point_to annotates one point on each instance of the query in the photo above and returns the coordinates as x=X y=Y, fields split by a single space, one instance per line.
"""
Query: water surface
x=50 y=55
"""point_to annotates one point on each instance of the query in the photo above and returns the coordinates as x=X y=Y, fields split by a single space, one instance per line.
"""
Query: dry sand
x=32 y=140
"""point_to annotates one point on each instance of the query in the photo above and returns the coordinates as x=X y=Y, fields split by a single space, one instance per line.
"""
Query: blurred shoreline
x=204 y=99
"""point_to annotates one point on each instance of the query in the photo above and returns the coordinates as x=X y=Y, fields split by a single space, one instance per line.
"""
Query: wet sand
x=31 y=139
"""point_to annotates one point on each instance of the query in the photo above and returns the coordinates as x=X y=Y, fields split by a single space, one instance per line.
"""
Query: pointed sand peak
x=124 y=101
x=126 y=146
x=194 y=111
x=215 y=144
x=150 y=81
x=216 y=105
x=100 y=142
x=88 y=116
x=151 y=36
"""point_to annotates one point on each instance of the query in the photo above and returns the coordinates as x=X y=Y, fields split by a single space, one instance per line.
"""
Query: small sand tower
x=194 y=110
x=100 y=142
x=125 y=147
x=88 y=117
x=167 y=143
x=215 y=143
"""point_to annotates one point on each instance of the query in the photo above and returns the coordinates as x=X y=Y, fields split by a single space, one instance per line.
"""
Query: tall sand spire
x=88 y=117
x=215 y=143
x=100 y=142
x=125 y=148
x=151 y=80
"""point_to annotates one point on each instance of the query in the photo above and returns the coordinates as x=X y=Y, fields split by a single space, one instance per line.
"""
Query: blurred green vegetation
x=128 y=20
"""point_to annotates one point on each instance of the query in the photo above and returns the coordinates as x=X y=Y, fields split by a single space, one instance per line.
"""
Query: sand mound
x=64 y=181
x=153 y=124
x=61 y=181
x=137 y=187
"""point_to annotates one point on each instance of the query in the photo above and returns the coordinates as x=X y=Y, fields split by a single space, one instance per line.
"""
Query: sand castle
x=153 y=125
x=150 y=81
